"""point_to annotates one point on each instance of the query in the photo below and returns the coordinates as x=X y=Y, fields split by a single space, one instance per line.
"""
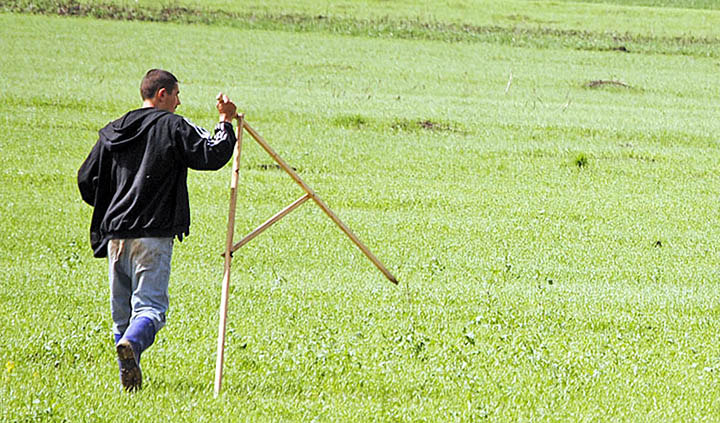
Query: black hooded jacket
x=136 y=174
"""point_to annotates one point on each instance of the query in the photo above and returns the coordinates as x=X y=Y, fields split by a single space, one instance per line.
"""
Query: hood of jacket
x=130 y=128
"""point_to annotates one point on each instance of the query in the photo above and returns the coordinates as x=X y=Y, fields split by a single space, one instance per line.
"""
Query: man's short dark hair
x=154 y=80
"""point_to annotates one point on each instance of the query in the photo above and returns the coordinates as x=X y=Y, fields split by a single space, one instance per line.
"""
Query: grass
x=518 y=23
x=555 y=243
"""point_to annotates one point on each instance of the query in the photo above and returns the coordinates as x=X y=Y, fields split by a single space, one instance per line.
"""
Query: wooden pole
x=319 y=202
x=228 y=257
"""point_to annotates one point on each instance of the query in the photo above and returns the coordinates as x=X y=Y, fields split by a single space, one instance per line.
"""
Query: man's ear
x=162 y=92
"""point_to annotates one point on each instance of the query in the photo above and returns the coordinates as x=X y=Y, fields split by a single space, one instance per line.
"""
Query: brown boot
x=130 y=374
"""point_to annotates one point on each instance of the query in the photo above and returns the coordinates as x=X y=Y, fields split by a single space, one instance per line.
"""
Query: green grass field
x=555 y=240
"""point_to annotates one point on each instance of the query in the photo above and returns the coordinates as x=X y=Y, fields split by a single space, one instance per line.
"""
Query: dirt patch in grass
x=425 y=125
x=604 y=83
x=360 y=122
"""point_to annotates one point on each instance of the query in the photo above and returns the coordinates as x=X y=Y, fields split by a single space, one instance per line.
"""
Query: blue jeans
x=139 y=273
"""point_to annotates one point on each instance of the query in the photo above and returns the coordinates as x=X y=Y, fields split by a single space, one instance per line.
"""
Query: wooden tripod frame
x=231 y=248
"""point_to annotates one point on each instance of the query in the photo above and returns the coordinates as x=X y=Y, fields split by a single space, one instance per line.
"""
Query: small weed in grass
x=581 y=160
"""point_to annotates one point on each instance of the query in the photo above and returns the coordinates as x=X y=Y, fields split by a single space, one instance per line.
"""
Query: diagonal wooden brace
x=279 y=215
x=319 y=202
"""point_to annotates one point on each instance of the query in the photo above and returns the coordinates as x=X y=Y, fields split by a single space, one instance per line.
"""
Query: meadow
x=542 y=178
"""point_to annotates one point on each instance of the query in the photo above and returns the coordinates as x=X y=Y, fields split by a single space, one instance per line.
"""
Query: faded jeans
x=139 y=273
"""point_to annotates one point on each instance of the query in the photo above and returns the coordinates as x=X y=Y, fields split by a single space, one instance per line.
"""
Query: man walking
x=135 y=177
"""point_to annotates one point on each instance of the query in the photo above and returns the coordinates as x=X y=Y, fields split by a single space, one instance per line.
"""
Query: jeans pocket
x=116 y=247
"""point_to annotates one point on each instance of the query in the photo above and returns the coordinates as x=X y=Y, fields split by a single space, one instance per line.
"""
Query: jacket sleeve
x=88 y=175
x=202 y=151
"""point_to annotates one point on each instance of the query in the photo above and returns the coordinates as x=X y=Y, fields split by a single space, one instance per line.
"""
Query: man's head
x=159 y=89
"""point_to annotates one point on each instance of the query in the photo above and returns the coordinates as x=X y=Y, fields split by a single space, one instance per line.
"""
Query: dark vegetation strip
x=682 y=4
x=416 y=29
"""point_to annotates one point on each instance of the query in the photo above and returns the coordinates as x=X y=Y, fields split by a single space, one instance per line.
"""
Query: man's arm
x=88 y=175
x=203 y=151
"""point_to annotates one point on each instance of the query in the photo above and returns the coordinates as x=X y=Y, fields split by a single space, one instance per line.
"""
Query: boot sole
x=130 y=375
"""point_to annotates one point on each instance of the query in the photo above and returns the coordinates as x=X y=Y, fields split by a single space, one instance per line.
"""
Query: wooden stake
x=228 y=257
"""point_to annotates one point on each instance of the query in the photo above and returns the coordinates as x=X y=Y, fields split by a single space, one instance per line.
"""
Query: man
x=136 y=180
